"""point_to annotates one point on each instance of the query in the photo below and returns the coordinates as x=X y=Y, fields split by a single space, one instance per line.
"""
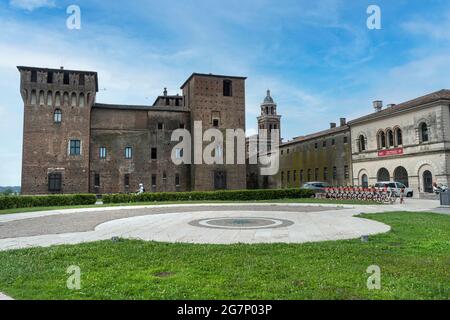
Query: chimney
x=61 y=68
x=343 y=122
x=165 y=92
x=378 y=105
x=391 y=105
x=332 y=125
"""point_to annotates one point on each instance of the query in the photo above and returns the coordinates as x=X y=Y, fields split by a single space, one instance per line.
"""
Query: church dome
x=268 y=99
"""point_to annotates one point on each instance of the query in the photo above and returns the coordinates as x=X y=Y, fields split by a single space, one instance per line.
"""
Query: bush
x=16 y=202
x=233 y=195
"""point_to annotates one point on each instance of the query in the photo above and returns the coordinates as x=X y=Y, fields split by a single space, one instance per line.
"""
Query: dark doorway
x=220 y=180
x=401 y=175
x=427 y=182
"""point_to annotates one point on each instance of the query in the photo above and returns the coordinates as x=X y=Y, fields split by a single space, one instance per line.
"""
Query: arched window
x=364 y=181
x=49 y=98
x=383 y=175
x=57 y=117
x=399 y=137
x=390 y=139
x=362 y=143
x=33 y=97
x=41 y=98
x=81 y=100
x=58 y=99
x=66 y=99
x=424 y=133
x=381 y=140
x=73 y=102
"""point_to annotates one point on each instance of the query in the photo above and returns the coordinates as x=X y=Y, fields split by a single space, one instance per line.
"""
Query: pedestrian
x=402 y=196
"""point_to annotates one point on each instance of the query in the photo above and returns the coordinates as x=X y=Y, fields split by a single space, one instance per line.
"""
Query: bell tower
x=269 y=119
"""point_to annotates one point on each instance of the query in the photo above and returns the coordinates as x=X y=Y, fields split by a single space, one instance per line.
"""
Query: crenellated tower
x=56 y=137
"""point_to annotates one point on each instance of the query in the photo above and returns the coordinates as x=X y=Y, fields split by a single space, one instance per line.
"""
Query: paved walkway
x=4 y=297
x=247 y=223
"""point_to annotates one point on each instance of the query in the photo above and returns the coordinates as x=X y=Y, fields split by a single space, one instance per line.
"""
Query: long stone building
x=408 y=143
x=72 y=144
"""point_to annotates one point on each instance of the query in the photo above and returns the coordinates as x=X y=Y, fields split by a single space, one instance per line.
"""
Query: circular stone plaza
x=201 y=224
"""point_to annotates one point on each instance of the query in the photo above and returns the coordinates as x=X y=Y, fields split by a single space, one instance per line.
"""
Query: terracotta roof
x=316 y=135
x=429 y=98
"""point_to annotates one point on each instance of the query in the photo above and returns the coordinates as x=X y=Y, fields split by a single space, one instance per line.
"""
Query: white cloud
x=438 y=30
x=31 y=5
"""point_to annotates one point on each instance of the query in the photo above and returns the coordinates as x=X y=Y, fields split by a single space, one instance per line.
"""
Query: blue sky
x=318 y=57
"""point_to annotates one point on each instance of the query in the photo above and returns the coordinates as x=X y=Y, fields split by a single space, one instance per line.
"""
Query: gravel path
x=87 y=221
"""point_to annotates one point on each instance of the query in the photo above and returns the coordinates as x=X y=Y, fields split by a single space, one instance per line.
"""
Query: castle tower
x=269 y=119
x=57 y=109
x=218 y=102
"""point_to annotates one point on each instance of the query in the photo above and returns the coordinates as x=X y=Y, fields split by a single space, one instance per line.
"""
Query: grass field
x=314 y=201
x=414 y=259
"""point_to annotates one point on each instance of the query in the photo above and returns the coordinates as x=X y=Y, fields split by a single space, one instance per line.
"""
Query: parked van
x=396 y=187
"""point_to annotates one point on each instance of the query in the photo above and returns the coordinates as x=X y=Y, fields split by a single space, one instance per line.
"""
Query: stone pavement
x=172 y=223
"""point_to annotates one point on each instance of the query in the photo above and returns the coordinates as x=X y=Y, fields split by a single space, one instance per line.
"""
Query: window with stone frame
x=102 y=153
x=57 y=116
x=362 y=143
x=128 y=153
x=424 y=132
x=75 y=147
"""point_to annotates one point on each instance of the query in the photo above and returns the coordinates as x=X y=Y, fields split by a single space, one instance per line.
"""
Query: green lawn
x=314 y=201
x=414 y=259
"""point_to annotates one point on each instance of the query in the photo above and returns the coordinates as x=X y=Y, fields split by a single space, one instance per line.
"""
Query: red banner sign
x=390 y=152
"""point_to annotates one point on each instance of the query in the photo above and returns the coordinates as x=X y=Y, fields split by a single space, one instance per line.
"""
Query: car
x=396 y=187
x=317 y=186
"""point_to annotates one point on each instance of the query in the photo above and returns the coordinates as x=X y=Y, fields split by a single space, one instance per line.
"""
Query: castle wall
x=115 y=130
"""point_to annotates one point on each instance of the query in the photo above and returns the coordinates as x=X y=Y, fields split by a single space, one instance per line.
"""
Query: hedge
x=234 y=195
x=17 y=202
